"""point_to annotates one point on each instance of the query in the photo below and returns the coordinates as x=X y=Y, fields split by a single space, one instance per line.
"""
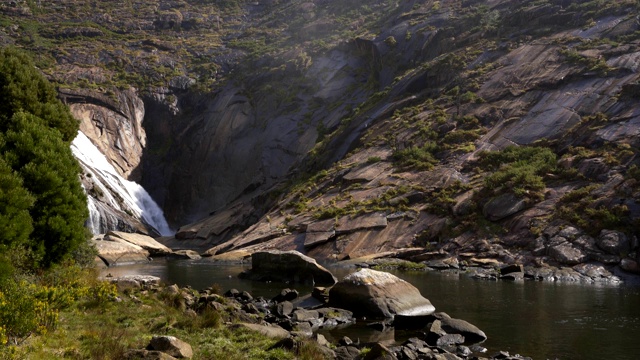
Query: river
x=538 y=319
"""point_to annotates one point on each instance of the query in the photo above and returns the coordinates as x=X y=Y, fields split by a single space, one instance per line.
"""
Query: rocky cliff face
x=349 y=129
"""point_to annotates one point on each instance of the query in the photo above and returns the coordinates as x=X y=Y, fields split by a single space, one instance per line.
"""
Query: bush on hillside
x=518 y=169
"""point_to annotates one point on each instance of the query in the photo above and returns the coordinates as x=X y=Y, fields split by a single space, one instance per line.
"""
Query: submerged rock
x=378 y=294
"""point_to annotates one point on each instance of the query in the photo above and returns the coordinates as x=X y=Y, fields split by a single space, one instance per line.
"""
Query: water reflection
x=537 y=319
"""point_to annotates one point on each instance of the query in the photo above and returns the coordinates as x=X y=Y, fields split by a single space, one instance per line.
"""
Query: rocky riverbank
x=295 y=319
x=565 y=254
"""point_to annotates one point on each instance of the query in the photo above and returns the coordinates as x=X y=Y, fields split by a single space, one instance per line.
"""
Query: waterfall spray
x=131 y=196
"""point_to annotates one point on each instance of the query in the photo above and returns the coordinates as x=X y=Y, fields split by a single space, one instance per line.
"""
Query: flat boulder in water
x=146 y=242
x=378 y=294
x=287 y=266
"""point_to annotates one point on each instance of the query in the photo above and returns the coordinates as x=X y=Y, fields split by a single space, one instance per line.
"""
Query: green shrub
x=25 y=310
x=581 y=208
x=414 y=157
x=518 y=169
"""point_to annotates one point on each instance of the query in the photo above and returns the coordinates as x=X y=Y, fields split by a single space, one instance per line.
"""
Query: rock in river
x=378 y=294
x=287 y=266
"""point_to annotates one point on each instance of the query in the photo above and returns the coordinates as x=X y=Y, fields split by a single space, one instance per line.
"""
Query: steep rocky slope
x=350 y=129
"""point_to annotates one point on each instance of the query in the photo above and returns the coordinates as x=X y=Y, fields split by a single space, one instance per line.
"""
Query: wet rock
x=378 y=294
x=514 y=276
x=435 y=332
x=457 y=326
x=340 y=316
x=345 y=341
x=184 y=255
x=321 y=293
x=411 y=322
x=511 y=269
x=597 y=273
x=286 y=295
x=630 y=265
x=287 y=266
x=464 y=351
x=613 y=242
x=245 y=296
x=450 y=339
x=172 y=346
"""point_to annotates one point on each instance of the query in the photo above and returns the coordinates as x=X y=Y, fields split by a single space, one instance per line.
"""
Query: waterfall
x=130 y=197
x=94 y=216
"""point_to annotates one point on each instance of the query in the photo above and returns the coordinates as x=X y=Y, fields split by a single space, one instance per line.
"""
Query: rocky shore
x=294 y=319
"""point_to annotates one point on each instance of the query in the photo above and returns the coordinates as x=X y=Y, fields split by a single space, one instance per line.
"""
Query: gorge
x=345 y=138
x=496 y=139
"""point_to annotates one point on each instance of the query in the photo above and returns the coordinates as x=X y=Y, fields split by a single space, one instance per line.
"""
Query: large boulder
x=119 y=252
x=287 y=266
x=458 y=326
x=146 y=242
x=378 y=294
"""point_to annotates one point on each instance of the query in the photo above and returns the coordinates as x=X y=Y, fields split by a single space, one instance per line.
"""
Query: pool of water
x=537 y=319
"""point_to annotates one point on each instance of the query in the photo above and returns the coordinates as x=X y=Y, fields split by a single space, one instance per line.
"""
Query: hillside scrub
x=518 y=169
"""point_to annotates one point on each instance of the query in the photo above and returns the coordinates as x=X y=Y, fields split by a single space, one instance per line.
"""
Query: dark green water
x=536 y=319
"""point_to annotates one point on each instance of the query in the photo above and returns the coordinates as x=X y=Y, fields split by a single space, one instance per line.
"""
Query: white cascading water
x=133 y=197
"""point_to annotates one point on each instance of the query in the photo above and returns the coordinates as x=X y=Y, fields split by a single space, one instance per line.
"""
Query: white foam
x=132 y=196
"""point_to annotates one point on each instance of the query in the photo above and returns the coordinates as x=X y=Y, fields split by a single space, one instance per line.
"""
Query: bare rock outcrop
x=116 y=251
x=113 y=123
x=378 y=294
x=146 y=242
